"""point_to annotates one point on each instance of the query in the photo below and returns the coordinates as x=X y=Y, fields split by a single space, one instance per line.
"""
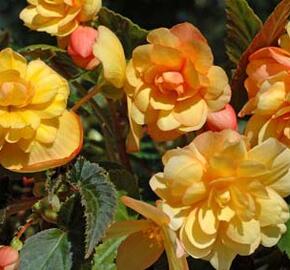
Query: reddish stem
x=119 y=123
x=24 y=228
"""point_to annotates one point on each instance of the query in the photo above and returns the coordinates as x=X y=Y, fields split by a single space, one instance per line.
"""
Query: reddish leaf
x=242 y=26
x=268 y=35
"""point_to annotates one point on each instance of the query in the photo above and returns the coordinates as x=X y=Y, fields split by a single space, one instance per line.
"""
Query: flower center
x=16 y=94
x=170 y=81
x=154 y=234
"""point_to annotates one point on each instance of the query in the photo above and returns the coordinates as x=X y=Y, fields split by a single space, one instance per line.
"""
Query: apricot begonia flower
x=269 y=95
x=9 y=258
x=224 y=197
x=146 y=238
x=172 y=84
x=36 y=130
x=58 y=17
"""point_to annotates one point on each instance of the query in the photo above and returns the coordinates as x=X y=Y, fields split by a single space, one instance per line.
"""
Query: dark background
x=208 y=15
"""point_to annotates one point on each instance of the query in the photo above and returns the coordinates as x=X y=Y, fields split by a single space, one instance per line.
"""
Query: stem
x=118 y=123
x=94 y=90
x=21 y=206
x=105 y=125
x=24 y=228
x=108 y=134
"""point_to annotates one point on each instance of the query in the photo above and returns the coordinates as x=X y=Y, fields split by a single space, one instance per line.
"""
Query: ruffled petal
x=108 y=49
x=66 y=146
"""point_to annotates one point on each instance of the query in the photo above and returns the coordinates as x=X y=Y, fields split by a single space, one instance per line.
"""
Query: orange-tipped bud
x=223 y=119
x=9 y=258
x=80 y=47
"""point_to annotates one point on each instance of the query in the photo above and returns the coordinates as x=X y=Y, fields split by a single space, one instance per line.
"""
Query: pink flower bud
x=80 y=47
x=223 y=119
x=9 y=258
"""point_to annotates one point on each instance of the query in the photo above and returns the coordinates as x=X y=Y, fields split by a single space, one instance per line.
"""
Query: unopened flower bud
x=9 y=258
x=223 y=119
x=80 y=47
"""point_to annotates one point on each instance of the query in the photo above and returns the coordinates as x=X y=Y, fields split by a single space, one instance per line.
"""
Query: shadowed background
x=208 y=15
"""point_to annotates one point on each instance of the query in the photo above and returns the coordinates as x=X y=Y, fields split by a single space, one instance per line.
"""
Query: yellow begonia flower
x=172 y=84
x=224 y=197
x=147 y=239
x=269 y=95
x=59 y=17
x=36 y=130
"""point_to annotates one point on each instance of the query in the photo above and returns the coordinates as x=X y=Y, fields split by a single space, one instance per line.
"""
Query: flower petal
x=66 y=146
x=108 y=49
x=146 y=210
x=145 y=252
x=191 y=113
x=126 y=227
x=12 y=60
x=171 y=245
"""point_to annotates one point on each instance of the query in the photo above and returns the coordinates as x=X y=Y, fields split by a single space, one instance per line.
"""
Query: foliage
x=98 y=196
x=49 y=249
x=242 y=26
x=268 y=35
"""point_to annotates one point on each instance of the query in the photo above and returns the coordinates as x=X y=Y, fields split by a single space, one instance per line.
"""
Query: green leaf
x=122 y=178
x=106 y=253
x=56 y=58
x=4 y=39
x=98 y=197
x=130 y=34
x=71 y=219
x=284 y=243
x=42 y=51
x=121 y=211
x=242 y=26
x=47 y=250
x=267 y=36
x=41 y=47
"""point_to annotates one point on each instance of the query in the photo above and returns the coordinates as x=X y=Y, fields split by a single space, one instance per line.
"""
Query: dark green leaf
x=99 y=198
x=57 y=58
x=122 y=179
x=4 y=39
x=47 y=250
x=41 y=51
x=242 y=26
x=129 y=33
x=284 y=243
x=71 y=218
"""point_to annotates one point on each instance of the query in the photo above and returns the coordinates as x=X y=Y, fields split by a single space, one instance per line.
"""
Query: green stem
x=94 y=90
x=105 y=125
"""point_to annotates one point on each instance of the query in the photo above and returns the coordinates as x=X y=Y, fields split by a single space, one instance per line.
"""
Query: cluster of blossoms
x=221 y=195
x=269 y=94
